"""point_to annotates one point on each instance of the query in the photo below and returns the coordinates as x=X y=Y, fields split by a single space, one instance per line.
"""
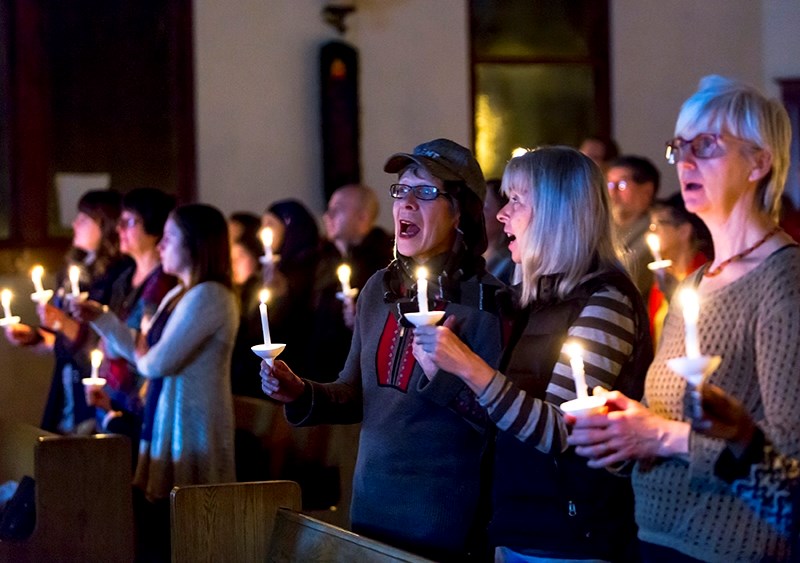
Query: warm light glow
x=690 y=302
x=422 y=273
x=344 y=273
x=263 y=295
x=97 y=358
x=519 y=151
x=574 y=350
x=267 y=238
x=654 y=243
x=36 y=276
x=5 y=298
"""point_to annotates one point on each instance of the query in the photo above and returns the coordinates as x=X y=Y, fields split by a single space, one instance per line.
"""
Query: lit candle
x=575 y=353
x=344 y=277
x=97 y=359
x=36 y=276
x=264 y=297
x=655 y=245
x=422 y=289
x=5 y=297
x=267 y=239
x=690 y=302
x=74 y=280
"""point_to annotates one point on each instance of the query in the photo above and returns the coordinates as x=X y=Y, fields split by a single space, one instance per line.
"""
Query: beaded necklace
x=716 y=271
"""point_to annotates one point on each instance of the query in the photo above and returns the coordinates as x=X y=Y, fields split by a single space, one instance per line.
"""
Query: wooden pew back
x=227 y=522
x=83 y=495
x=298 y=537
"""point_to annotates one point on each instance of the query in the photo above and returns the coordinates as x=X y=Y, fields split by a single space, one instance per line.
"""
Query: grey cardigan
x=193 y=429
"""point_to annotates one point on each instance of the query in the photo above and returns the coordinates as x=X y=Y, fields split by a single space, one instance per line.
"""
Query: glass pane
x=531 y=29
x=530 y=105
x=111 y=87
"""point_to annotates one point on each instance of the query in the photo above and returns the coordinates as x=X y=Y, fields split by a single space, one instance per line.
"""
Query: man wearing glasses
x=632 y=187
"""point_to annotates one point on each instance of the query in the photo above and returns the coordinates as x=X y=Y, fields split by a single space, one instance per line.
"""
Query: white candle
x=575 y=353
x=344 y=277
x=5 y=297
x=36 y=276
x=422 y=289
x=97 y=359
x=655 y=245
x=690 y=302
x=264 y=297
x=74 y=280
x=267 y=238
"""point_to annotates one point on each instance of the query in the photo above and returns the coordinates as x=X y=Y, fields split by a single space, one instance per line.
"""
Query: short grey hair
x=724 y=105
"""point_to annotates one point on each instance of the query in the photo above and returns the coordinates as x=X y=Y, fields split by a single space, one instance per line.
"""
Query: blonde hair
x=570 y=229
x=723 y=105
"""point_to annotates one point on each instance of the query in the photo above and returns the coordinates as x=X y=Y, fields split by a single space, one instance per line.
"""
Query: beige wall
x=660 y=51
x=257 y=92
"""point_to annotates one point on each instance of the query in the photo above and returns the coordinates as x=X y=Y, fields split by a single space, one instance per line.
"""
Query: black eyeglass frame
x=423 y=193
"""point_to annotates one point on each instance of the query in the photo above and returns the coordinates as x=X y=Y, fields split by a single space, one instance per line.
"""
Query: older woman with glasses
x=732 y=154
x=416 y=482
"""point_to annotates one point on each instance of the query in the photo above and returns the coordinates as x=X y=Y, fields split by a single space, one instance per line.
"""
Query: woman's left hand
x=629 y=431
x=449 y=353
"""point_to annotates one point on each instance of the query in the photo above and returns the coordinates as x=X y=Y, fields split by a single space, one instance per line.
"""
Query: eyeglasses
x=703 y=146
x=620 y=186
x=128 y=222
x=425 y=193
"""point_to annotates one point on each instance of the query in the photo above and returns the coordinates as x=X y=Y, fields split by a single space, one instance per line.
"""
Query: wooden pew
x=227 y=522
x=244 y=522
x=298 y=537
x=83 y=495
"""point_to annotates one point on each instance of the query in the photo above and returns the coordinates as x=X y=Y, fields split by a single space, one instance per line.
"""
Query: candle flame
x=263 y=295
x=267 y=237
x=519 y=151
x=37 y=272
x=344 y=273
x=690 y=302
x=653 y=242
x=5 y=297
x=422 y=273
x=574 y=350
x=97 y=358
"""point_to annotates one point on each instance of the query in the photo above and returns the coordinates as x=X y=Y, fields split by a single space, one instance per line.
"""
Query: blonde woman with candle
x=546 y=504
x=731 y=150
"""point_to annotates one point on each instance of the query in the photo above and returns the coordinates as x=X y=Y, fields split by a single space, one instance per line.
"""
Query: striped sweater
x=605 y=330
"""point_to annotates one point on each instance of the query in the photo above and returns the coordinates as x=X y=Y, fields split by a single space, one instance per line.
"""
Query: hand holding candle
x=422 y=289
x=263 y=296
x=690 y=303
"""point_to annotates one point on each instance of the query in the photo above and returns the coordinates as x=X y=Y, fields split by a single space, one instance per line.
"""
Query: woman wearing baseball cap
x=416 y=481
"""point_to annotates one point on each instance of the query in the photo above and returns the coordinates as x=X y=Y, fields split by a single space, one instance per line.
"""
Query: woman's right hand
x=279 y=382
x=22 y=335
x=85 y=311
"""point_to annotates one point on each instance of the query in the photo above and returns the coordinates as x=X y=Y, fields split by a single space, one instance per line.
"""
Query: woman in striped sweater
x=546 y=503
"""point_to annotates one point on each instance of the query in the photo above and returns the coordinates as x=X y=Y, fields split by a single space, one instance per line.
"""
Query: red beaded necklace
x=716 y=271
